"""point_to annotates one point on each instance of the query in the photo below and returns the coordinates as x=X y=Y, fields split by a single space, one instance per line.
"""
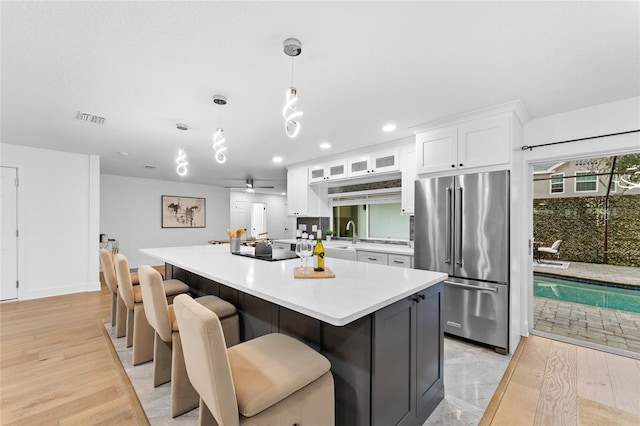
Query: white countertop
x=362 y=246
x=358 y=289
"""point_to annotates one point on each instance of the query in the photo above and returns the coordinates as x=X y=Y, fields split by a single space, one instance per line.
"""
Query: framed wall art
x=183 y=212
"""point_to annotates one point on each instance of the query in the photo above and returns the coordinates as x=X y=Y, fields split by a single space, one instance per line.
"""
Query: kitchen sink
x=341 y=252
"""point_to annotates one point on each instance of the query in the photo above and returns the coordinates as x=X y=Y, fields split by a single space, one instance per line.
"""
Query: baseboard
x=28 y=294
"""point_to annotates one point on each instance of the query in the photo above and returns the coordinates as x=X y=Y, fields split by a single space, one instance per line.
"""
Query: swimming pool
x=566 y=290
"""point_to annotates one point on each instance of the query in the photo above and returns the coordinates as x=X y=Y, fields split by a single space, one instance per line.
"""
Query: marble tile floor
x=472 y=374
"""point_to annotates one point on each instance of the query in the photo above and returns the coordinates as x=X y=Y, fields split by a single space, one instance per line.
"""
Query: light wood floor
x=555 y=383
x=57 y=365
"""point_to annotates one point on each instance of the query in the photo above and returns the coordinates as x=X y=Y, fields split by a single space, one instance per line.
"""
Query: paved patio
x=617 y=329
x=610 y=327
x=628 y=275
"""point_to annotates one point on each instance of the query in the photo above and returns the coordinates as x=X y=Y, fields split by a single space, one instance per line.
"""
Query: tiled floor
x=471 y=376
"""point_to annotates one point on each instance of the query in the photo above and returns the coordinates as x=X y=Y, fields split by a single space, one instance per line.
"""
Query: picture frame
x=183 y=212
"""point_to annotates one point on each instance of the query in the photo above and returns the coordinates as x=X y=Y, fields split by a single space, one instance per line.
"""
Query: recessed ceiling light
x=389 y=127
x=277 y=159
x=283 y=193
x=123 y=153
x=325 y=145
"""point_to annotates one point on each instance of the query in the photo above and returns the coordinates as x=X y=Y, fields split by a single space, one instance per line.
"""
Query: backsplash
x=394 y=183
x=324 y=223
x=321 y=222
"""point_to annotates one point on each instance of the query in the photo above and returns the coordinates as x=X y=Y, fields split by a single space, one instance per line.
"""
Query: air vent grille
x=91 y=118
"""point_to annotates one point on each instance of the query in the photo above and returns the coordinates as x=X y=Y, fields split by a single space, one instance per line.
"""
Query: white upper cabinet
x=386 y=161
x=408 y=161
x=297 y=188
x=472 y=142
x=484 y=142
x=359 y=166
x=302 y=199
x=329 y=171
x=377 y=162
x=437 y=150
x=477 y=143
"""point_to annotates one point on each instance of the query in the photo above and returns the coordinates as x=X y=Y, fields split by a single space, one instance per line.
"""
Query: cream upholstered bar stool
x=118 y=309
x=271 y=380
x=168 y=358
x=139 y=333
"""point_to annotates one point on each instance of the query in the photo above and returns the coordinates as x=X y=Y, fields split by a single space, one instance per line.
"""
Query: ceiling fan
x=249 y=186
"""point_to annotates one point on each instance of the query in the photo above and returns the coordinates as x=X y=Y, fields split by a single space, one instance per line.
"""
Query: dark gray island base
x=387 y=366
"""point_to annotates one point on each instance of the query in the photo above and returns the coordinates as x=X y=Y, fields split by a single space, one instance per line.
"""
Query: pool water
x=587 y=293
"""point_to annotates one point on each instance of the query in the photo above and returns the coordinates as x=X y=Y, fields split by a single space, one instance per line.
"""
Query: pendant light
x=218 y=137
x=293 y=48
x=181 y=160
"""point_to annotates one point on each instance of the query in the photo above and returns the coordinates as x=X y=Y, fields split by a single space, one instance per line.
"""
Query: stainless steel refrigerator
x=462 y=229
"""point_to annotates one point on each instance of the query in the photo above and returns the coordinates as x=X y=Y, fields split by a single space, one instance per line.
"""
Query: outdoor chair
x=553 y=249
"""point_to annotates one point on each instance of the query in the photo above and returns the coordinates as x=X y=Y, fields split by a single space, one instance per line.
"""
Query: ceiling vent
x=91 y=118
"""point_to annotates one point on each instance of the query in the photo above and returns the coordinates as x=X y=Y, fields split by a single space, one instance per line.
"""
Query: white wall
x=277 y=222
x=603 y=119
x=131 y=213
x=58 y=210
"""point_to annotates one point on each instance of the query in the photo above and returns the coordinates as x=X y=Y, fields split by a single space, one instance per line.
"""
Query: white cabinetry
x=408 y=161
x=303 y=200
x=473 y=144
x=330 y=171
x=377 y=162
x=400 y=260
x=372 y=257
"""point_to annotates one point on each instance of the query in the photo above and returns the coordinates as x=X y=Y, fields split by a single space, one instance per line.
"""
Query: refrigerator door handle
x=471 y=287
x=458 y=212
x=447 y=258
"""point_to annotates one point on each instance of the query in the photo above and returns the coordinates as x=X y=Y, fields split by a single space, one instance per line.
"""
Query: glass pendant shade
x=290 y=113
x=181 y=160
x=218 y=148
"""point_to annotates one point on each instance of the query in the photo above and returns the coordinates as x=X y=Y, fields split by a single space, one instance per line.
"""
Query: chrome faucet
x=354 y=238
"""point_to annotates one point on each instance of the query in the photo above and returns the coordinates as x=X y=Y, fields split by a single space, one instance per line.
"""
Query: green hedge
x=580 y=223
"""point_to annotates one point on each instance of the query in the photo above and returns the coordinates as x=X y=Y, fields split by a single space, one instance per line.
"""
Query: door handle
x=447 y=258
x=471 y=287
x=459 y=230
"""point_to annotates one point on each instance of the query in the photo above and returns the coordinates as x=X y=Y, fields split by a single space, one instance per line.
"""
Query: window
x=373 y=221
x=556 y=183
x=586 y=182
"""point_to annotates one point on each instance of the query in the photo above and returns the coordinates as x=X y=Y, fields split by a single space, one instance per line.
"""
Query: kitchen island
x=380 y=327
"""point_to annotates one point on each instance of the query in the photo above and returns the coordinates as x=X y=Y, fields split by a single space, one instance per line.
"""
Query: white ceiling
x=149 y=65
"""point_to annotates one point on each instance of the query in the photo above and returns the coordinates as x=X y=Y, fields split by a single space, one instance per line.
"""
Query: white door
x=258 y=219
x=8 y=234
x=239 y=219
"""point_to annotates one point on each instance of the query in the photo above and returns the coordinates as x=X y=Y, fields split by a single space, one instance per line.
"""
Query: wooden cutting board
x=327 y=273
